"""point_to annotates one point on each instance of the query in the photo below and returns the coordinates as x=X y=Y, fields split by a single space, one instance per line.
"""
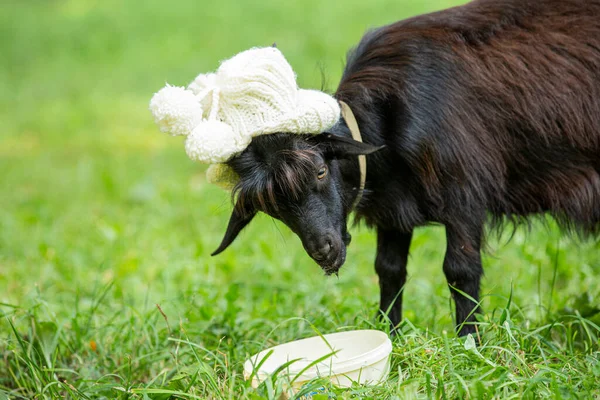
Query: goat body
x=494 y=107
x=491 y=108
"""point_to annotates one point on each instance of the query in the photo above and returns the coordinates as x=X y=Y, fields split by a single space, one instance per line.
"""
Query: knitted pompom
x=214 y=142
x=222 y=175
x=176 y=110
x=203 y=82
x=201 y=85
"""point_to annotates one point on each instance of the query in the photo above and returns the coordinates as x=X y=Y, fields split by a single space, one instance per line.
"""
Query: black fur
x=488 y=109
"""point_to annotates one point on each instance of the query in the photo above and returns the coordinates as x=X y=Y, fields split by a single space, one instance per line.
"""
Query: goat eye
x=322 y=172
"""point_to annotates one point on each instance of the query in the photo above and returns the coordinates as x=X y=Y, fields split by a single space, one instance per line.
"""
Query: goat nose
x=322 y=252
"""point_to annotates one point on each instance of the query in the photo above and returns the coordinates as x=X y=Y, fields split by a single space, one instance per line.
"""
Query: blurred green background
x=102 y=216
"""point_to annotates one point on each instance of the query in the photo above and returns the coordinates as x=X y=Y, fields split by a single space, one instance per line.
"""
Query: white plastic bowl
x=360 y=356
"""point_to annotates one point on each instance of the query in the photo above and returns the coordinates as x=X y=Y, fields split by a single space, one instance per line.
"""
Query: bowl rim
x=374 y=355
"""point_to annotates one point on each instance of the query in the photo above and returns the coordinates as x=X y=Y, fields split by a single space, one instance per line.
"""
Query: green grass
x=107 y=289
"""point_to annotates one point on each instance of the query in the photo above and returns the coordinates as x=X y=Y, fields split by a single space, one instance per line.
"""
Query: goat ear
x=237 y=222
x=341 y=146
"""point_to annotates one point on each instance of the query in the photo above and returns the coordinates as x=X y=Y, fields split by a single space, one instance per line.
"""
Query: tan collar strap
x=362 y=159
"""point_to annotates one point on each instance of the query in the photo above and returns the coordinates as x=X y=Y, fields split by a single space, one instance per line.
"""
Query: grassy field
x=107 y=289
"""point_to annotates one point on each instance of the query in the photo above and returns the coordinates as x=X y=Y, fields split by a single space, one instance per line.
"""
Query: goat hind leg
x=463 y=270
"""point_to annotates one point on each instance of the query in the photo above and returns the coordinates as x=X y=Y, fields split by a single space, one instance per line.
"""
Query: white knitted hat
x=253 y=93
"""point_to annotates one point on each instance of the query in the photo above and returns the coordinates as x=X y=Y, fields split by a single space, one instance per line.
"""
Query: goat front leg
x=463 y=270
x=390 y=265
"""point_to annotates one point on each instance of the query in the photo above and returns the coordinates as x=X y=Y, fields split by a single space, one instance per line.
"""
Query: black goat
x=491 y=108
